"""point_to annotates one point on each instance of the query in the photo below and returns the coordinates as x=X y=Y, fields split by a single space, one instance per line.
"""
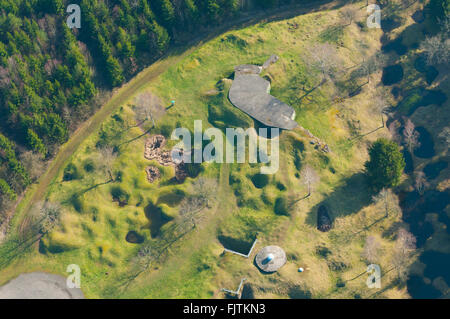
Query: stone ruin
x=152 y=173
x=154 y=151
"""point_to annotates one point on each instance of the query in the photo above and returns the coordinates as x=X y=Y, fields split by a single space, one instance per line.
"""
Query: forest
x=51 y=76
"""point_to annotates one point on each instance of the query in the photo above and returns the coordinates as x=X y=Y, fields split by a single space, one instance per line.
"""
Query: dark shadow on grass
x=16 y=247
x=347 y=199
x=137 y=137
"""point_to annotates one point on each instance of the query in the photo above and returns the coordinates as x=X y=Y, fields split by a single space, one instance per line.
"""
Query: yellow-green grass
x=195 y=267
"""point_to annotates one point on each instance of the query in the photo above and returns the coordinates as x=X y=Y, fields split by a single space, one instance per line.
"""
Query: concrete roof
x=250 y=93
x=279 y=259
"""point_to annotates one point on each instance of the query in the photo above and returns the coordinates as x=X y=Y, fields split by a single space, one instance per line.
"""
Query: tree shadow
x=349 y=198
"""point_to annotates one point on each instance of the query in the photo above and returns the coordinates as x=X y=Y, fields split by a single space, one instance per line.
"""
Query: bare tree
x=445 y=135
x=144 y=258
x=205 y=189
x=383 y=197
x=371 y=249
x=33 y=163
x=372 y=65
x=348 y=15
x=190 y=208
x=148 y=107
x=410 y=135
x=436 y=49
x=420 y=182
x=393 y=128
x=203 y=194
x=47 y=216
x=324 y=57
x=404 y=247
x=310 y=178
x=108 y=157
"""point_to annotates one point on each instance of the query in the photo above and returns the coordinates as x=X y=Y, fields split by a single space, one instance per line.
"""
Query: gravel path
x=39 y=285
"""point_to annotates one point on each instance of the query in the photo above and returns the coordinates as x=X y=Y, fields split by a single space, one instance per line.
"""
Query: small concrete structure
x=251 y=94
x=270 y=259
x=39 y=285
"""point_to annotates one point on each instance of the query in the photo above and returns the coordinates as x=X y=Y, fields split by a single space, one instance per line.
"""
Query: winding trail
x=37 y=192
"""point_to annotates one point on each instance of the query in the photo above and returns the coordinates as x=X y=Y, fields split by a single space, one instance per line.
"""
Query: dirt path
x=37 y=192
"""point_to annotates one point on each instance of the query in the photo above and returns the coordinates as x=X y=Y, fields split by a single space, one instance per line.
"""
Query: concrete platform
x=251 y=94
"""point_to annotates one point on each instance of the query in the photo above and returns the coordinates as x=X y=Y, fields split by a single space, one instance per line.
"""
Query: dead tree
x=401 y=258
x=383 y=197
x=205 y=189
x=108 y=156
x=348 y=15
x=420 y=182
x=371 y=249
x=148 y=107
x=445 y=135
x=189 y=211
x=46 y=216
x=324 y=57
x=310 y=178
x=410 y=135
x=436 y=49
x=33 y=163
x=144 y=258
x=372 y=65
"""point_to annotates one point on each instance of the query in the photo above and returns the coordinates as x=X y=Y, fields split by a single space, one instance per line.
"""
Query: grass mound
x=120 y=195
x=71 y=172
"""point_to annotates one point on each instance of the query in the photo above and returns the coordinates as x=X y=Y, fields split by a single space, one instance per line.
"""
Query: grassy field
x=93 y=227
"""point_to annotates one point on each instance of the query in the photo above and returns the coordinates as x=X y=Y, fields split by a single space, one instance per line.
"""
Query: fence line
x=237 y=292
x=240 y=254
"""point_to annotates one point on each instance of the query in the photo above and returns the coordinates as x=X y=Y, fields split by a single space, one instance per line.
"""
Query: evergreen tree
x=386 y=164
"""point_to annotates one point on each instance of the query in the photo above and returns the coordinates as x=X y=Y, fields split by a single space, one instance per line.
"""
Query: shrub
x=120 y=195
x=77 y=203
x=71 y=173
x=166 y=130
x=281 y=186
x=89 y=165
x=385 y=165
x=119 y=176
x=281 y=206
x=193 y=169
x=260 y=180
